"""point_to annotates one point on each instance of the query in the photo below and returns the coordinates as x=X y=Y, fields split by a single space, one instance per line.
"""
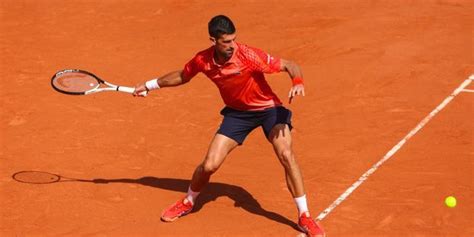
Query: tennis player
x=238 y=71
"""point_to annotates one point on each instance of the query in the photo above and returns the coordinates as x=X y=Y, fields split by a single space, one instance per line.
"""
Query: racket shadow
x=241 y=197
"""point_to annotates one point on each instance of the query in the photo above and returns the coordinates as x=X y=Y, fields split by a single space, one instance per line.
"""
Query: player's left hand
x=296 y=90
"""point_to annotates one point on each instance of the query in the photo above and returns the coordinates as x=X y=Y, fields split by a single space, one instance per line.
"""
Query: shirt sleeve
x=192 y=68
x=261 y=61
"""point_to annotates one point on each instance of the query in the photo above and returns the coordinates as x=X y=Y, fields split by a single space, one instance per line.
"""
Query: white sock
x=191 y=196
x=301 y=204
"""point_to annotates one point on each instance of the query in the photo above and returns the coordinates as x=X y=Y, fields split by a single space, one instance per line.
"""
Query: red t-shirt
x=240 y=80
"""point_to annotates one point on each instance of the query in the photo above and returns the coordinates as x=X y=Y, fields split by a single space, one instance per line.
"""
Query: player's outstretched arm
x=296 y=76
x=175 y=78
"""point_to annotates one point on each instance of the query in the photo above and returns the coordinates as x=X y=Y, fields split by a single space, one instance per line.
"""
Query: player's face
x=225 y=45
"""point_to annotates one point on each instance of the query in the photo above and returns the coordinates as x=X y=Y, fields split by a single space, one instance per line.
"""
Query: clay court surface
x=373 y=71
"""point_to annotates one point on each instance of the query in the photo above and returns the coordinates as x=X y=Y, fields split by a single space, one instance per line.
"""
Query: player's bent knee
x=210 y=167
x=286 y=154
x=286 y=157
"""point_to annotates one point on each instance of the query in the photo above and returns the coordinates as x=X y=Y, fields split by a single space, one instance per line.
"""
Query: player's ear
x=213 y=40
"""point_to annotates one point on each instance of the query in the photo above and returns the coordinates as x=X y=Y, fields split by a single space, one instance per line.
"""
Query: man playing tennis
x=238 y=71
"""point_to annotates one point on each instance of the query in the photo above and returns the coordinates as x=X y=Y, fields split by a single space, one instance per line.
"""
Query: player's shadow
x=241 y=197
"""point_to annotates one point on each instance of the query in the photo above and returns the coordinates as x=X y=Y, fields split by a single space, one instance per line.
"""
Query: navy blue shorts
x=238 y=124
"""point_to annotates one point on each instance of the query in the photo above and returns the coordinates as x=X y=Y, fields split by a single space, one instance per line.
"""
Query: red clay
x=373 y=70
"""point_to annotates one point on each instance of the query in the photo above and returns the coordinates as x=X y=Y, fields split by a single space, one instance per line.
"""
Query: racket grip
x=126 y=89
x=130 y=90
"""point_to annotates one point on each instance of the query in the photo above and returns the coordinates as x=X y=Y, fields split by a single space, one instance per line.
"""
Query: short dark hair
x=220 y=25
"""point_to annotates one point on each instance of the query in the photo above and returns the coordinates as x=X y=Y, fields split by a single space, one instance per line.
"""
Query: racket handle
x=130 y=90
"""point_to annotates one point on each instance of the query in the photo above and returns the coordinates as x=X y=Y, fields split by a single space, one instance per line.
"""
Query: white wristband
x=152 y=84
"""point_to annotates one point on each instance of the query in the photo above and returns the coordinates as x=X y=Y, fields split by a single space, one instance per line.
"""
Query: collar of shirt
x=232 y=60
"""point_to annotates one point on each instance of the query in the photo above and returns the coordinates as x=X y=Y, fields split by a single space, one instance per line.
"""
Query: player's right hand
x=140 y=90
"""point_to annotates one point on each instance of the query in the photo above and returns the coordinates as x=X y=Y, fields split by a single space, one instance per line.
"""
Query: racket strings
x=75 y=82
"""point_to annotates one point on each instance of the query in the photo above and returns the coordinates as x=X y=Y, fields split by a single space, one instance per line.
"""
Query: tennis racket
x=80 y=82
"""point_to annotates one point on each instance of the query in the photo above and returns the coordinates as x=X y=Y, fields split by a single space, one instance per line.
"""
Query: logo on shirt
x=230 y=72
x=269 y=58
x=235 y=73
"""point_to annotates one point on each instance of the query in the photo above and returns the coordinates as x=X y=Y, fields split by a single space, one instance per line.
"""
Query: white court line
x=467 y=90
x=397 y=147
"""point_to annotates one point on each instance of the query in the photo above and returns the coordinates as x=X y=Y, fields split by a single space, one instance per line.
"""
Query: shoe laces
x=308 y=223
x=179 y=205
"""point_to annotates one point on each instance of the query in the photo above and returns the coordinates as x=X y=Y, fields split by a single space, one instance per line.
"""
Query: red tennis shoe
x=309 y=226
x=177 y=210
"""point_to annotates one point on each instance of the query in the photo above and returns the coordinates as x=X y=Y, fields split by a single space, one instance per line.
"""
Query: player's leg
x=232 y=132
x=280 y=137
x=218 y=150
x=277 y=127
x=234 y=128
